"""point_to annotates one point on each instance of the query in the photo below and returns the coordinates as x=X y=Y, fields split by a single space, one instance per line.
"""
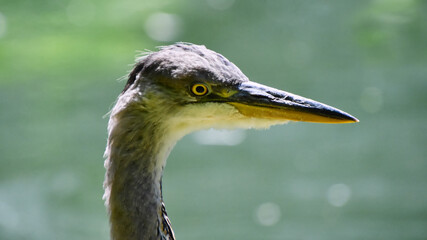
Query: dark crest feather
x=132 y=75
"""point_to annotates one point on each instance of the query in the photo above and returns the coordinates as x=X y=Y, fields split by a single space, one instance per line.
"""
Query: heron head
x=190 y=87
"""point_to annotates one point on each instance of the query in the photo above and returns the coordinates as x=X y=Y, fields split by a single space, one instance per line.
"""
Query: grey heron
x=169 y=93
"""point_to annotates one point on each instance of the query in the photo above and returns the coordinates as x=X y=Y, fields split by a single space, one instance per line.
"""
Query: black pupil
x=200 y=89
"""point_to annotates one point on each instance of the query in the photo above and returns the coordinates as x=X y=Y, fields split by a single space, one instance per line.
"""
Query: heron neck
x=135 y=157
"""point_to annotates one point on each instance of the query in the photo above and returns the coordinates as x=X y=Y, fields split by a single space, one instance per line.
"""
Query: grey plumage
x=169 y=93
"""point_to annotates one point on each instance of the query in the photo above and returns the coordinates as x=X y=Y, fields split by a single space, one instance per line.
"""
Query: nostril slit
x=289 y=98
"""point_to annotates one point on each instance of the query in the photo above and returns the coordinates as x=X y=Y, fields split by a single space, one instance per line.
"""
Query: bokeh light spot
x=338 y=195
x=268 y=214
x=163 y=27
x=219 y=137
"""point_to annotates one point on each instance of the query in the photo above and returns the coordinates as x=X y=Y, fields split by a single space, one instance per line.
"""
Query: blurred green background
x=59 y=65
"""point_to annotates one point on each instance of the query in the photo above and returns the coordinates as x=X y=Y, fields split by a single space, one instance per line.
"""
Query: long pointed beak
x=260 y=101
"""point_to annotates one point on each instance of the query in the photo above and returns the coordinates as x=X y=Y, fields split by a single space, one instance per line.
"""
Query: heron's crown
x=185 y=60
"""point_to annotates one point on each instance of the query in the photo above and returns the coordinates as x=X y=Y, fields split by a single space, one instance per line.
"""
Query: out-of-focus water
x=59 y=62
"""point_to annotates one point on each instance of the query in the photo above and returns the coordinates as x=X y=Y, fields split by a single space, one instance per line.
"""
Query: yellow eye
x=199 y=89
